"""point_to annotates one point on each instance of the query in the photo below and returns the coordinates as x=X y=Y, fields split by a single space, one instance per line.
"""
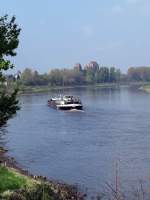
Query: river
x=84 y=147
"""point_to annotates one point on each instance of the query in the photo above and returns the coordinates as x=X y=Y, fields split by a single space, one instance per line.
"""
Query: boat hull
x=70 y=108
x=54 y=104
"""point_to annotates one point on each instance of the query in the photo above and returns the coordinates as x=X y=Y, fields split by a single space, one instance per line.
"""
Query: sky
x=59 y=33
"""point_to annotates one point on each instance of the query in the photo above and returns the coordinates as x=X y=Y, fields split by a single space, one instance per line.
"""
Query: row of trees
x=139 y=73
x=71 y=76
x=87 y=76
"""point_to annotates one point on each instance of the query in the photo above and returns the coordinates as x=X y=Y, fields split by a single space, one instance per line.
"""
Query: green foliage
x=9 y=180
x=9 y=33
x=89 y=77
x=112 y=74
x=21 y=187
x=118 y=75
x=139 y=73
x=8 y=106
x=57 y=77
x=40 y=192
x=9 y=41
x=31 y=77
x=70 y=77
x=104 y=74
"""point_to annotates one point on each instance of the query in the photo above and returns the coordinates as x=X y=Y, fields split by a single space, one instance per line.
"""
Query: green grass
x=14 y=185
x=12 y=180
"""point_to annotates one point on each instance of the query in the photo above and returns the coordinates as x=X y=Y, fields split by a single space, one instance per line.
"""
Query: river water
x=84 y=147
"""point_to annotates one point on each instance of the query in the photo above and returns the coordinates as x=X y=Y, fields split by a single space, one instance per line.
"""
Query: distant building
x=78 y=66
x=92 y=65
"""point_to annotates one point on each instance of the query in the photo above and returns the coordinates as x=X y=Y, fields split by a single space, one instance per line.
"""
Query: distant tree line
x=139 y=73
x=63 y=77
x=91 y=74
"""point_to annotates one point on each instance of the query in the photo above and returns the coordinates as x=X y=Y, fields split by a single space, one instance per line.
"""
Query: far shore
x=145 y=86
x=38 y=89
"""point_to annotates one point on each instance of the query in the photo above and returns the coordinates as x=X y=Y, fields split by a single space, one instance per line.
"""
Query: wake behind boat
x=66 y=103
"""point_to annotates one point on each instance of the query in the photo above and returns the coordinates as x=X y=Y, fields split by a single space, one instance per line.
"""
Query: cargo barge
x=66 y=103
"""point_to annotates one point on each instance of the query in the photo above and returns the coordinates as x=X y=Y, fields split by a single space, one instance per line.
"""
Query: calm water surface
x=83 y=147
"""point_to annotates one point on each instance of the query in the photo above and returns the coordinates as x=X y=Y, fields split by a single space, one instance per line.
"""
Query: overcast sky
x=59 y=33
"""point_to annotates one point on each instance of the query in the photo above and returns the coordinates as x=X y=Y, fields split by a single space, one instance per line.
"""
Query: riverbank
x=40 y=89
x=17 y=183
x=145 y=88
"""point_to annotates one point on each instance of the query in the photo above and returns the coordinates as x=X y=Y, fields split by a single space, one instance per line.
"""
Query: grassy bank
x=10 y=179
x=16 y=186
